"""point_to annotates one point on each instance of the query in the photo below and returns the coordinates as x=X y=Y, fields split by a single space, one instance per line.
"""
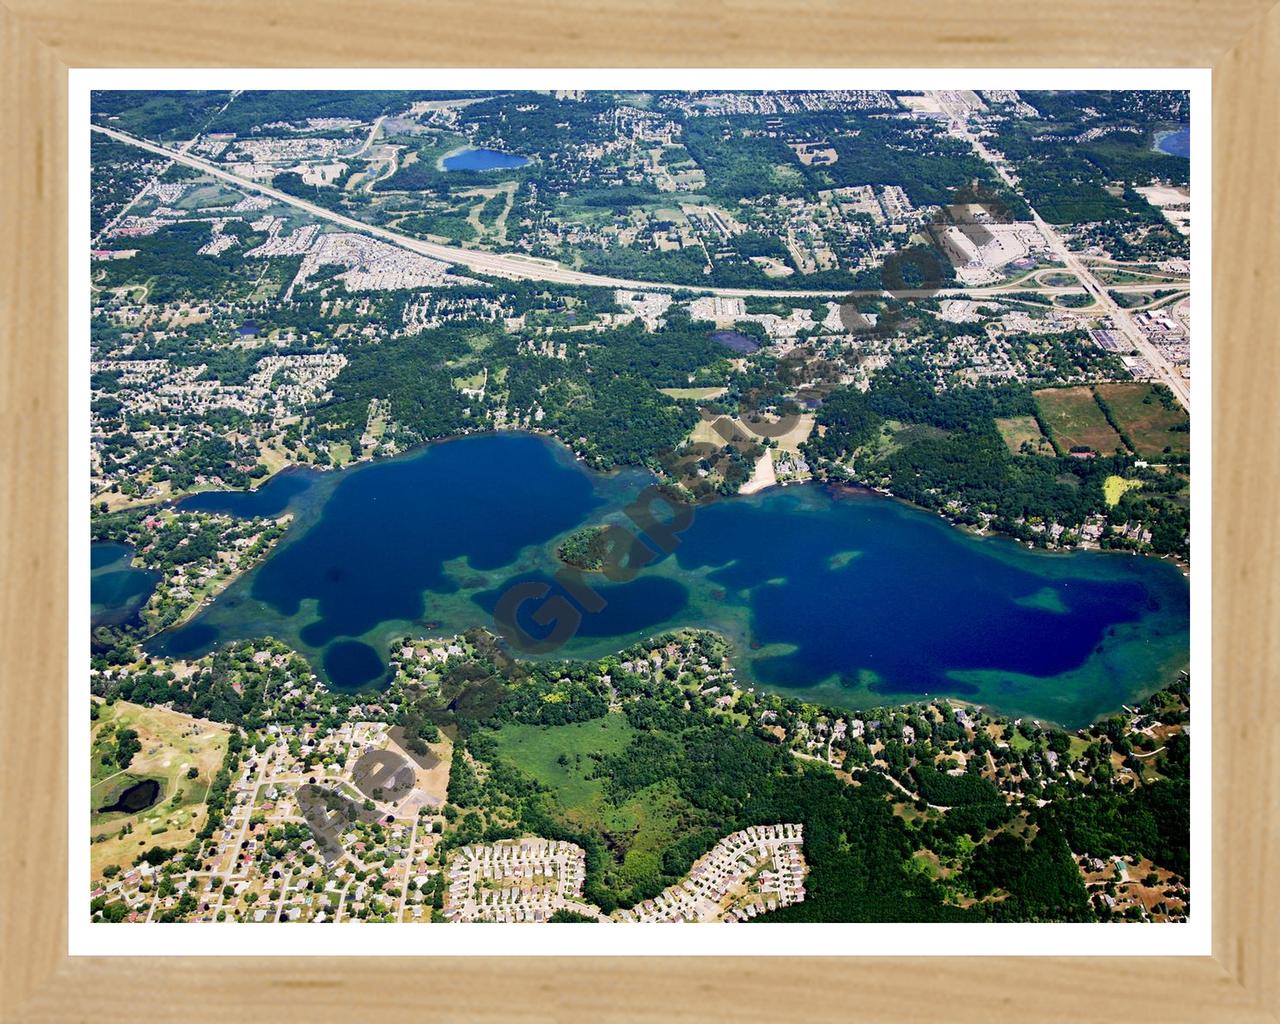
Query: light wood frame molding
x=42 y=39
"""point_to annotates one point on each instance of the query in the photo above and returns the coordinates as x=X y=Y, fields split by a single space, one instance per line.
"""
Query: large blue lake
x=852 y=599
x=483 y=160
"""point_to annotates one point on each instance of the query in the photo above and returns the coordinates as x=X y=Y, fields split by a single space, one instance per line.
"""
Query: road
x=529 y=268
x=156 y=177
x=1163 y=369
x=368 y=141
x=408 y=866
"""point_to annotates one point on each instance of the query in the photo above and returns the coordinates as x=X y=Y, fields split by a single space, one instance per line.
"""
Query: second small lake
x=1176 y=142
x=483 y=160
x=137 y=797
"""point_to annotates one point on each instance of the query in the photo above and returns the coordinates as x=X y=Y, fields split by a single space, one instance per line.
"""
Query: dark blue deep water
x=849 y=598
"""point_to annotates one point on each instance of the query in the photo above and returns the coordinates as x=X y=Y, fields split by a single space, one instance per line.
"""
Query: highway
x=124 y=210
x=518 y=267
x=1163 y=369
x=529 y=268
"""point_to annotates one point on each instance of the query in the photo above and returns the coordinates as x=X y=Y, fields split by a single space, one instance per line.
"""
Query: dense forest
x=602 y=398
x=1077 y=181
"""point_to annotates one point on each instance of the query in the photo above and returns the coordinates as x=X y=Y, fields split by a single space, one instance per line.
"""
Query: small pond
x=137 y=797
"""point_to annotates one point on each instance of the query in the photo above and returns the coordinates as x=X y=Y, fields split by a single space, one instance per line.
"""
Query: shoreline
x=853 y=488
x=452 y=153
x=191 y=611
x=1160 y=134
x=209 y=597
x=856 y=489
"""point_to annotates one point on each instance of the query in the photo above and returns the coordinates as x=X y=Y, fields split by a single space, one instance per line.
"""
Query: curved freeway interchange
x=1156 y=359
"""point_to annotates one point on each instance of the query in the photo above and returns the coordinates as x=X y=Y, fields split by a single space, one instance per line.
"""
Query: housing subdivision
x=751 y=872
x=747 y=873
x=524 y=880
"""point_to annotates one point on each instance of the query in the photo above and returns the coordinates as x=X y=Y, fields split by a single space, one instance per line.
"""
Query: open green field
x=1144 y=417
x=637 y=831
x=1059 y=280
x=207 y=193
x=1075 y=420
x=1017 y=742
x=1137 y=273
x=536 y=749
x=172 y=744
x=1017 y=430
x=1113 y=488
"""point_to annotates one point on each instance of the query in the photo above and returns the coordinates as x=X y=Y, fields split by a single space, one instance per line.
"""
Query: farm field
x=1075 y=420
x=171 y=745
x=694 y=393
x=1149 y=424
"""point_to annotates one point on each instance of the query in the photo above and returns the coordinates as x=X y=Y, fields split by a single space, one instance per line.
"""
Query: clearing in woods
x=1075 y=420
x=638 y=829
x=1020 y=430
x=1113 y=488
x=1152 y=421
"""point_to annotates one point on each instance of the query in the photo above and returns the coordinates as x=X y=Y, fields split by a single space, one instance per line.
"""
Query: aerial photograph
x=583 y=506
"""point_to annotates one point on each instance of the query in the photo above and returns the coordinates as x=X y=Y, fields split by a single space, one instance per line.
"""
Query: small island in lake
x=585 y=549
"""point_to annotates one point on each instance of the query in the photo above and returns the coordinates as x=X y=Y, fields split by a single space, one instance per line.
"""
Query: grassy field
x=1141 y=414
x=1138 y=273
x=1073 y=300
x=1059 y=280
x=1130 y=300
x=896 y=435
x=206 y=193
x=1113 y=488
x=535 y=749
x=1019 y=429
x=1074 y=419
x=172 y=744
x=705 y=433
x=637 y=831
x=1017 y=742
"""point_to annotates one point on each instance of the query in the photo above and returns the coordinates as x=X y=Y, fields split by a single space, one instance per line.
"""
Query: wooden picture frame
x=42 y=39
